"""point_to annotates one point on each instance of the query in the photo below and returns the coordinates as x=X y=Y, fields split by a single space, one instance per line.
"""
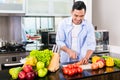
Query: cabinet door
x=12 y=6
x=48 y=7
x=62 y=7
x=37 y=7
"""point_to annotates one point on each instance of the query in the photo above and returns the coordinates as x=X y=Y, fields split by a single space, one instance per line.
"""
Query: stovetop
x=12 y=49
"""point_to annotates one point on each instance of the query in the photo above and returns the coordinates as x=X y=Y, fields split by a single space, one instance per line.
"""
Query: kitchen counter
x=106 y=73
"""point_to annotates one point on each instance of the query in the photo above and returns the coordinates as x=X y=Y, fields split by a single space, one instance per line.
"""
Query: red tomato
x=79 y=70
x=74 y=71
x=75 y=65
x=70 y=72
x=65 y=70
x=70 y=66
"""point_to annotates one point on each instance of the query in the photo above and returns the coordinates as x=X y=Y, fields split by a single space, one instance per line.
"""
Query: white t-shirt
x=75 y=31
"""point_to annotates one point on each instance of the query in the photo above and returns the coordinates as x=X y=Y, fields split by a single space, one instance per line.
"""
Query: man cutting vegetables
x=76 y=36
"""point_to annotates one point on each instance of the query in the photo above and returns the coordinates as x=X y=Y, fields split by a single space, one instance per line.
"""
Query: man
x=76 y=36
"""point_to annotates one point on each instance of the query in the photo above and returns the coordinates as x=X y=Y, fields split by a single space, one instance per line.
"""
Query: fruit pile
x=27 y=73
x=100 y=62
x=14 y=72
x=110 y=61
x=35 y=66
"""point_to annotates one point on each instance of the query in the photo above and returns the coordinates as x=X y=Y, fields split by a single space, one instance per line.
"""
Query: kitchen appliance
x=8 y=47
x=48 y=39
x=11 y=54
x=102 y=40
x=51 y=38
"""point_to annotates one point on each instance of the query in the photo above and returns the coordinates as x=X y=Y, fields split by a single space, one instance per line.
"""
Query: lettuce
x=43 y=55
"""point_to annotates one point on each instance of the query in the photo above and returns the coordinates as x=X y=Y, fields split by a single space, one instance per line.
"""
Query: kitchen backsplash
x=10 y=28
x=4 y=28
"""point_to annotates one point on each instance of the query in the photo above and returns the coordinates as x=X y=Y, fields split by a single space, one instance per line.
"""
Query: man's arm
x=86 y=58
x=70 y=52
x=89 y=53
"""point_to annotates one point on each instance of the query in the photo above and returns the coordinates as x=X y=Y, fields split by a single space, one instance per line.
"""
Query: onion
x=94 y=66
x=100 y=64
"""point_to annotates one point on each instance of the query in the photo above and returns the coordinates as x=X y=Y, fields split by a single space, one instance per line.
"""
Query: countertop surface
x=58 y=75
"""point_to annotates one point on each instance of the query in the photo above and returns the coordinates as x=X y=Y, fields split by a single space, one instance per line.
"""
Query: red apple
x=27 y=68
x=21 y=75
x=30 y=76
x=35 y=72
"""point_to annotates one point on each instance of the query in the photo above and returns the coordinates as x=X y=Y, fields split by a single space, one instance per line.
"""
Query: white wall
x=106 y=15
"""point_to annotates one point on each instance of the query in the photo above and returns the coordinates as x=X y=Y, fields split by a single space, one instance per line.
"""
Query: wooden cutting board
x=86 y=66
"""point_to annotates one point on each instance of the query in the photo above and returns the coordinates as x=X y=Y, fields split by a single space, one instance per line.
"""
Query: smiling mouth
x=77 y=22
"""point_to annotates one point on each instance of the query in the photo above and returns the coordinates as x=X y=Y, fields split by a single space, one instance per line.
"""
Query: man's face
x=78 y=16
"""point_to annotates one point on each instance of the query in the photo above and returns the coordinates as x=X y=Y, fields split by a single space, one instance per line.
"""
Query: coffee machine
x=102 y=40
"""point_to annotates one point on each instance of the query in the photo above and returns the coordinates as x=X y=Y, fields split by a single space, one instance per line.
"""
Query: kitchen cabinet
x=48 y=7
x=12 y=7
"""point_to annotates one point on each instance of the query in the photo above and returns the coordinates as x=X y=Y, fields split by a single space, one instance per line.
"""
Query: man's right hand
x=72 y=54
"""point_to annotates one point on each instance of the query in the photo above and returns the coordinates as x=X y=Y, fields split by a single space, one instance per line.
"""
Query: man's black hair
x=79 y=5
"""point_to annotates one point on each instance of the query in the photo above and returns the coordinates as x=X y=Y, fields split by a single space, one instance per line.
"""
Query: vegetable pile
x=115 y=60
x=44 y=55
x=35 y=65
x=72 y=69
x=107 y=61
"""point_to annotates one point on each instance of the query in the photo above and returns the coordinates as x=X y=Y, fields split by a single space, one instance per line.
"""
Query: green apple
x=40 y=65
x=42 y=72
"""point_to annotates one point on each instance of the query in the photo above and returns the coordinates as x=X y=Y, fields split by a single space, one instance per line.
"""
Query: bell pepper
x=109 y=61
x=95 y=58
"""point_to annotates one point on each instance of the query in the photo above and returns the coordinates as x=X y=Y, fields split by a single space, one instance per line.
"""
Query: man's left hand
x=83 y=61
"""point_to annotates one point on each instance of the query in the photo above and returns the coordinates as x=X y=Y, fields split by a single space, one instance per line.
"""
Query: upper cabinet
x=12 y=7
x=48 y=7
